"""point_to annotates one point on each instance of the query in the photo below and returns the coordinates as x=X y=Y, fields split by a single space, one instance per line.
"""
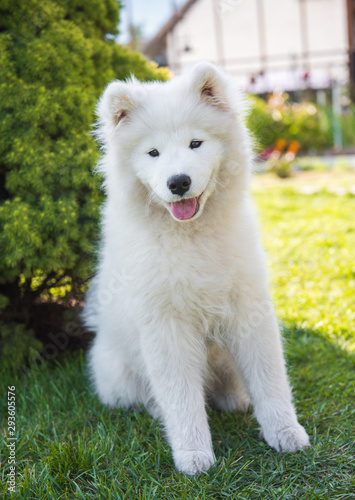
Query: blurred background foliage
x=306 y=122
x=56 y=58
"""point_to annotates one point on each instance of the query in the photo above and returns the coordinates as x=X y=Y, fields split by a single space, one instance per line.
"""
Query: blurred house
x=266 y=44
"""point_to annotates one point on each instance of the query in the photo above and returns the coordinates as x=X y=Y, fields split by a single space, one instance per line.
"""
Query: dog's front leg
x=258 y=353
x=175 y=361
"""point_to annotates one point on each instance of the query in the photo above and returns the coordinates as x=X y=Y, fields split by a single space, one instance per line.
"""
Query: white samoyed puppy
x=180 y=303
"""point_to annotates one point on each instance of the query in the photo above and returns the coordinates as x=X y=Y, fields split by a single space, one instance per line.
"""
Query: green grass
x=310 y=242
x=69 y=446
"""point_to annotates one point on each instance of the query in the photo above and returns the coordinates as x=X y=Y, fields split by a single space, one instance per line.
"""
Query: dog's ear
x=210 y=83
x=116 y=103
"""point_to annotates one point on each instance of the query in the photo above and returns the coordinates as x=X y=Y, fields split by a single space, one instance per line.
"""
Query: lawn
x=69 y=446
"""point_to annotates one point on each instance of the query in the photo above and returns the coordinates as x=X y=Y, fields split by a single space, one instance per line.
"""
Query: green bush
x=18 y=345
x=304 y=122
x=282 y=167
x=56 y=58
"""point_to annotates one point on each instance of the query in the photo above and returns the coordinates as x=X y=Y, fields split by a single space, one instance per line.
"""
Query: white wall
x=241 y=45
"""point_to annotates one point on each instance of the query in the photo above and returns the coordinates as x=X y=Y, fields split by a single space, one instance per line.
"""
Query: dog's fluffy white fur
x=181 y=308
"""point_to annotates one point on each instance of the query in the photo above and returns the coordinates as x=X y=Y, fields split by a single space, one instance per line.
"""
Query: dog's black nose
x=179 y=184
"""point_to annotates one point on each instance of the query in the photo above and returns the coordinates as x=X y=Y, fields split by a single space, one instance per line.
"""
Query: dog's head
x=172 y=136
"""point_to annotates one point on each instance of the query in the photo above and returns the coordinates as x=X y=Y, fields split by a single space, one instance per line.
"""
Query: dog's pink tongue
x=184 y=209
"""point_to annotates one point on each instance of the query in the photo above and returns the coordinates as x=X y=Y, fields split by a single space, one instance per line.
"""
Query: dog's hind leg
x=116 y=384
x=225 y=388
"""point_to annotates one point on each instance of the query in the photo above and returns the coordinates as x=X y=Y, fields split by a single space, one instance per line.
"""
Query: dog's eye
x=195 y=144
x=153 y=153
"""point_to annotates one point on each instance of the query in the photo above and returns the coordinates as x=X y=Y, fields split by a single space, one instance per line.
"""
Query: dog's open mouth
x=186 y=208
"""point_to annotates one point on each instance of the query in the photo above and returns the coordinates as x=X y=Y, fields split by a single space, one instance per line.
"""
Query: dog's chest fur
x=179 y=274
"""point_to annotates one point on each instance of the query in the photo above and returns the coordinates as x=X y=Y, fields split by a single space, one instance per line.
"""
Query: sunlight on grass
x=310 y=242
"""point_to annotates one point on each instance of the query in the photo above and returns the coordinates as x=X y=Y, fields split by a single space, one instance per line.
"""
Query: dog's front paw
x=291 y=438
x=193 y=462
